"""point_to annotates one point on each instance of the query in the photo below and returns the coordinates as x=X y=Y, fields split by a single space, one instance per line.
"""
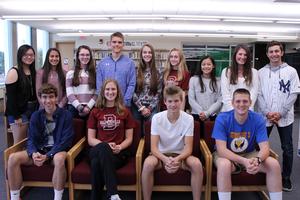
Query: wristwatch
x=259 y=160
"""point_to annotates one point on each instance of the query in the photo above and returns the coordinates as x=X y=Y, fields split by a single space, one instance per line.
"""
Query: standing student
x=172 y=144
x=204 y=91
x=279 y=89
x=118 y=67
x=81 y=84
x=110 y=132
x=52 y=72
x=239 y=75
x=50 y=136
x=148 y=86
x=176 y=73
x=237 y=133
x=20 y=91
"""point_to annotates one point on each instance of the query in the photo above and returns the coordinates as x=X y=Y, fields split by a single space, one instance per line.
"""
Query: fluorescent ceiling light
x=248 y=20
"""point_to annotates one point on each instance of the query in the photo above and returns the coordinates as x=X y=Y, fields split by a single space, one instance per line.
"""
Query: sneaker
x=287 y=185
x=115 y=197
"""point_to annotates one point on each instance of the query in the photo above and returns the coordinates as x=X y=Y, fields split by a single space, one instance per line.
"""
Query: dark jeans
x=286 y=139
x=75 y=113
x=138 y=116
x=103 y=166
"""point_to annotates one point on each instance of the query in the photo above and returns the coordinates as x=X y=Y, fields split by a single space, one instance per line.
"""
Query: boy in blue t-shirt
x=236 y=133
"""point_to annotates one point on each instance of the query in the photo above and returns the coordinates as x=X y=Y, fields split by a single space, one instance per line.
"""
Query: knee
x=224 y=165
x=150 y=164
x=14 y=160
x=195 y=164
x=59 y=159
x=272 y=165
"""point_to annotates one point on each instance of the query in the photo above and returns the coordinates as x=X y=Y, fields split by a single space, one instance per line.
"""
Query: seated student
x=50 y=136
x=237 y=132
x=110 y=133
x=171 y=144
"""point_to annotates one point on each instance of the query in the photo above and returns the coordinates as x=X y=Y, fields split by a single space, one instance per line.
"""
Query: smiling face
x=54 y=58
x=28 y=57
x=147 y=54
x=116 y=44
x=173 y=103
x=49 y=102
x=241 y=56
x=174 y=58
x=241 y=103
x=207 y=67
x=84 y=56
x=110 y=92
x=275 y=54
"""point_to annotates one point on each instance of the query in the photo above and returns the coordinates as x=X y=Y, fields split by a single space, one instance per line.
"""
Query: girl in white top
x=204 y=90
x=239 y=75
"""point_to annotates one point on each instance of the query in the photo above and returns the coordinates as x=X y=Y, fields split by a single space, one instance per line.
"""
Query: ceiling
x=267 y=19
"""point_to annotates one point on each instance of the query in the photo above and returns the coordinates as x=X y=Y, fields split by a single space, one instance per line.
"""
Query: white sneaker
x=115 y=197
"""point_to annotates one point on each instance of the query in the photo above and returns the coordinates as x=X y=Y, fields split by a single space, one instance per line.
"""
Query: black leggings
x=103 y=166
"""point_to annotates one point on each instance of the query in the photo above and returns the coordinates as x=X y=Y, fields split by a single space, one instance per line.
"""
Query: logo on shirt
x=110 y=122
x=285 y=87
x=239 y=145
x=172 y=80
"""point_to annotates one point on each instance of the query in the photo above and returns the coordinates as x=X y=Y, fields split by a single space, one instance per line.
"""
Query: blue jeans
x=286 y=139
x=138 y=116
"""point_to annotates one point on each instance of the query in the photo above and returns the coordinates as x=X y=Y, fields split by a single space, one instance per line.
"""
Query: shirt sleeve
x=185 y=81
x=129 y=121
x=261 y=130
x=38 y=83
x=225 y=90
x=192 y=96
x=99 y=77
x=70 y=89
x=92 y=120
x=254 y=88
x=219 y=131
x=131 y=85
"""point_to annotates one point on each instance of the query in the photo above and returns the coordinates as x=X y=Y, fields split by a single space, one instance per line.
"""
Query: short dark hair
x=274 y=43
x=117 y=34
x=172 y=90
x=241 y=91
x=47 y=88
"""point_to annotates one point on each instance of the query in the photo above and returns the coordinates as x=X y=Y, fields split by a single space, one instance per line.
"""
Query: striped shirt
x=81 y=94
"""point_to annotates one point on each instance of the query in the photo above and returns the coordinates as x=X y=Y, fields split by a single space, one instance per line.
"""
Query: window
x=42 y=46
x=23 y=34
x=5 y=58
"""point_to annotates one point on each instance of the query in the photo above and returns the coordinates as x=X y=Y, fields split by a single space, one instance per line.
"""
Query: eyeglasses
x=28 y=55
x=84 y=55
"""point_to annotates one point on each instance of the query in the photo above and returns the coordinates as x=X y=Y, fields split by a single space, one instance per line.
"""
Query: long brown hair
x=247 y=70
x=182 y=67
x=90 y=68
x=142 y=66
x=213 y=80
x=119 y=103
x=59 y=70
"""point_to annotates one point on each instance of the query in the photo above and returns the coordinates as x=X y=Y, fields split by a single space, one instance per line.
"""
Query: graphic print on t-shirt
x=239 y=141
x=109 y=122
x=172 y=80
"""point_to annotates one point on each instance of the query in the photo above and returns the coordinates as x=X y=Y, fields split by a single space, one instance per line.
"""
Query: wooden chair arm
x=138 y=157
x=274 y=154
x=20 y=146
x=208 y=159
x=73 y=153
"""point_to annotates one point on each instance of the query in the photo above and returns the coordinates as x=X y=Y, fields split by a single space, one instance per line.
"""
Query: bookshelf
x=161 y=55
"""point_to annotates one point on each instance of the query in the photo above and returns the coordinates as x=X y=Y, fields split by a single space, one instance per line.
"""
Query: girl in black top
x=20 y=91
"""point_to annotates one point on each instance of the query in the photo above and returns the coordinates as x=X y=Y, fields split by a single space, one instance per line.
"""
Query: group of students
x=110 y=96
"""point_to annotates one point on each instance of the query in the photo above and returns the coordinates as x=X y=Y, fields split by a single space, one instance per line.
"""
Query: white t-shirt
x=171 y=135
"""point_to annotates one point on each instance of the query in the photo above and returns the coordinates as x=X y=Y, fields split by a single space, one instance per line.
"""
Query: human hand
x=172 y=165
x=253 y=166
x=86 y=110
x=146 y=112
x=202 y=116
x=18 y=121
x=38 y=159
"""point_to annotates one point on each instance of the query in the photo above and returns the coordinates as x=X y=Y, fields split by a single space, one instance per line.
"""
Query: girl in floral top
x=148 y=86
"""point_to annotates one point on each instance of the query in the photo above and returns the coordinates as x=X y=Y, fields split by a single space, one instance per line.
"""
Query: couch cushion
x=181 y=177
x=125 y=175
x=242 y=179
x=34 y=173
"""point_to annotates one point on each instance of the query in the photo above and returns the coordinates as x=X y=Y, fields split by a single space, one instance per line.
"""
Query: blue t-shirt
x=240 y=138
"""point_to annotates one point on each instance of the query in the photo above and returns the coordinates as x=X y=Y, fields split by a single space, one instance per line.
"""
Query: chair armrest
x=207 y=157
x=15 y=148
x=73 y=153
x=273 y=154
x=138 y=157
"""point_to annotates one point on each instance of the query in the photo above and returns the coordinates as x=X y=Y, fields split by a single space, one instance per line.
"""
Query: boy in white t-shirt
x=172 y=144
